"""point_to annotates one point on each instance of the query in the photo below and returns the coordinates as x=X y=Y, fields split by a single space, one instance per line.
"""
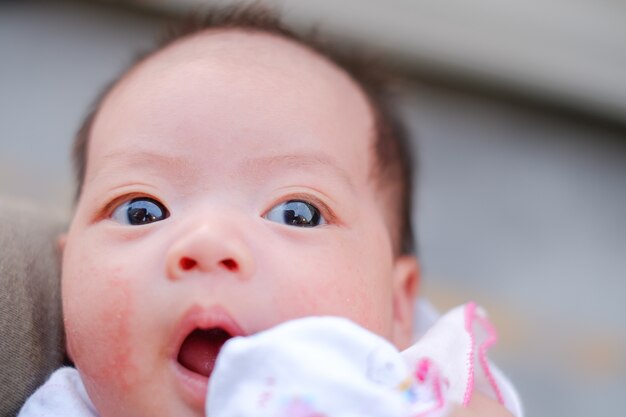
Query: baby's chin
x=158 y=399
x=164 y=389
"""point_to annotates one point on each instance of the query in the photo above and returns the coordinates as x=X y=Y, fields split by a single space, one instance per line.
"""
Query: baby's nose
x=204 y=250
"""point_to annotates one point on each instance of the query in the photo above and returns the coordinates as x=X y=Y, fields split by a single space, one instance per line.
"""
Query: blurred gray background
x=519 y=115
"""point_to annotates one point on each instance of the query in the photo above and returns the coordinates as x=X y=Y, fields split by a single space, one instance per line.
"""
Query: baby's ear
x=406 y=278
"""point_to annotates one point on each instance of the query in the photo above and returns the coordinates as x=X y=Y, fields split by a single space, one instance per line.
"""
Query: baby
x=234 y=179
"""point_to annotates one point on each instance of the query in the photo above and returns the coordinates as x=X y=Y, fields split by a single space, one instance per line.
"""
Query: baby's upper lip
x=199 y=317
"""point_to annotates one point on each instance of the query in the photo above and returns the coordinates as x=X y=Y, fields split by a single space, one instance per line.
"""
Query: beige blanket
x=31 y=330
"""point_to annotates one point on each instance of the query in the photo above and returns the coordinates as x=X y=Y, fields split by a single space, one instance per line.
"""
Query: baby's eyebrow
x=148 y=158
x=296 y=161
x=259 y=167
x=144 y=159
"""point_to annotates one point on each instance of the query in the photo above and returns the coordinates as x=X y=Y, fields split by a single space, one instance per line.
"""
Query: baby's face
x=228 y=186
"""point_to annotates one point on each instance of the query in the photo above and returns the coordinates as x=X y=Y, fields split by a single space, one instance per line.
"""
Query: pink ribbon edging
x=471 y=316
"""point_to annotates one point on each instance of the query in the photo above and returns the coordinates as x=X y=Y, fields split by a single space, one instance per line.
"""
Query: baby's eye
x=138 y=211
x=296 y=213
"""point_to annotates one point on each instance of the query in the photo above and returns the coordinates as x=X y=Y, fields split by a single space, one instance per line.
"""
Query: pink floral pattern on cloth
x=300 y=408
x=427 y=377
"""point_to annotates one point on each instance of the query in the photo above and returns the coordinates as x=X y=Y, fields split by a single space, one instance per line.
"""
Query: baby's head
x=232 y=180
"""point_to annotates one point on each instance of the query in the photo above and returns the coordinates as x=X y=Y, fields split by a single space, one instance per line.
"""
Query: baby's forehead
x=201 y=76
x=254 y=56
x=232 y=47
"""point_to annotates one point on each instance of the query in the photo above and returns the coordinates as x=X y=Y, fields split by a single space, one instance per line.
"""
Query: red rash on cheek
x=119 y=319
x=106 y=353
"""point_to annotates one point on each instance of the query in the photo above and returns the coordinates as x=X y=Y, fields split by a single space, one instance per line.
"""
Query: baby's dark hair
x=392 y=166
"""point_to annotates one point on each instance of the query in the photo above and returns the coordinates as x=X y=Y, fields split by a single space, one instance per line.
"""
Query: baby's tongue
x=200 y=349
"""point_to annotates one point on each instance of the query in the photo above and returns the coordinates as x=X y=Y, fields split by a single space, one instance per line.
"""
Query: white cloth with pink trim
x=330 y=367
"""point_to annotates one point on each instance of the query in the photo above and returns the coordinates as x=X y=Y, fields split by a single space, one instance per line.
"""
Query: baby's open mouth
x=200 y=348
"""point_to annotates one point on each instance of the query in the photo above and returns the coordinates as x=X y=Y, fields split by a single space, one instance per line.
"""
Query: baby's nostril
x=230 y=264
x=187 y=263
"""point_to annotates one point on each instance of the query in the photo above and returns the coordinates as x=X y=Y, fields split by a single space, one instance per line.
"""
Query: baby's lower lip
x=194 y=386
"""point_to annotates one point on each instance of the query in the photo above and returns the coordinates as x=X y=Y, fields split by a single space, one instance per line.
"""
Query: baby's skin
x=229 y=187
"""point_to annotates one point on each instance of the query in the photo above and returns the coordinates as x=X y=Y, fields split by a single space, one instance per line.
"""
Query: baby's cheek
x=362 y=289
x=99 y=328
x=339 y=285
